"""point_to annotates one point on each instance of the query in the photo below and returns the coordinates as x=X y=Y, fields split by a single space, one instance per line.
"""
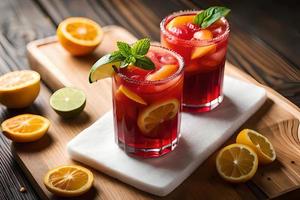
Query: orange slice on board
x=69 y=180
x=79 y=35
x=25 y=128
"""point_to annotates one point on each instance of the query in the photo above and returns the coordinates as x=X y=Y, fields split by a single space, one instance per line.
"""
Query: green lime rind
x=103 y=68
x=68 y=102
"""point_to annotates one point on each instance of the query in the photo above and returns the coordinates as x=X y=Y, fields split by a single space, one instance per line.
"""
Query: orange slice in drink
x=69 y=180
x=156 y=114
x=164 y=72
x=237 y=163
x=130 y=94
x=79 y=35
x=199 y=52
x=180 y=20
x=25 y=128
x=259 y=143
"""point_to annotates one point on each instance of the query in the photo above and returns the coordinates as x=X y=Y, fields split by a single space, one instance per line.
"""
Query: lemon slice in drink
x=259 y=143
x=68 y=102
x=237 y=163
x=69 y=180
x=156 y=114
x=103 y=68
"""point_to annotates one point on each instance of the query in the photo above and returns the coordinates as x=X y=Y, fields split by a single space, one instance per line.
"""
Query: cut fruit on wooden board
x=278 y=119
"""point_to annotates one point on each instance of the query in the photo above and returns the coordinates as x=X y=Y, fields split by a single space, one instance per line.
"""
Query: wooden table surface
x=264 y=42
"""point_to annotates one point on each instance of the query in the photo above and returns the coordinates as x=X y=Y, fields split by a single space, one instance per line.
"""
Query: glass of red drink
x=147 y=104
x=204 y=53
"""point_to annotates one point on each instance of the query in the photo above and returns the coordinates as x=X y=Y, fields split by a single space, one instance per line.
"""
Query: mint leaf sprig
x=207 y=17
x=134 y=54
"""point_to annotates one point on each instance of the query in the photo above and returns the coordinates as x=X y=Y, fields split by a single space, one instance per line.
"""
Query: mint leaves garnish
x=210 y=15
x=133 y=54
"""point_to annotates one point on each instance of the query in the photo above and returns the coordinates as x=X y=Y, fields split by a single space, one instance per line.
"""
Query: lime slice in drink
x=68 y=102
x=103 y=68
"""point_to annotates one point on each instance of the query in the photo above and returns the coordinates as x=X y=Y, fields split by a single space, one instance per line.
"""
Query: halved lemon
x=103 y=68
x=259 y=143
x=156 y=114
x=131 y=95
x=79 y=35
x=25 y=128
x=237 y=163
x=19 y=89
x=69 y=180
x=164 y=72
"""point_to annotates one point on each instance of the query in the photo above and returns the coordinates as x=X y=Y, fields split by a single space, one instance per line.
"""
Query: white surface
x=202 y=134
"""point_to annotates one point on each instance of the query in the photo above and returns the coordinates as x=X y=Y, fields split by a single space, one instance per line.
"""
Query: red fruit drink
x=147 y=105
x=204 y=53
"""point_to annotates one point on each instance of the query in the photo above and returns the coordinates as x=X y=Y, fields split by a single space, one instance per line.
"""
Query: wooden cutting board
x=278 y=119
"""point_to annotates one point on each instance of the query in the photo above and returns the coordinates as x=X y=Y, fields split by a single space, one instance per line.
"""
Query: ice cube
x=167 y=59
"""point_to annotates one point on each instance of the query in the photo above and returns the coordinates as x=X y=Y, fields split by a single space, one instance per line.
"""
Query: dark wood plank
x=21 y=21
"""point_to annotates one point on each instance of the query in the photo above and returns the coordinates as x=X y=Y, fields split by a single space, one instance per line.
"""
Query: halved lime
x=103 y=68
x=68 y=102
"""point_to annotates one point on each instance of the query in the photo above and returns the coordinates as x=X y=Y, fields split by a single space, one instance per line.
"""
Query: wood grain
x=56 y=65
x=21 y=21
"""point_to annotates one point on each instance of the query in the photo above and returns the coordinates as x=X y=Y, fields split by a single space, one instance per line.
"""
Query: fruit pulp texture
x=204 y=73
x=126 y=111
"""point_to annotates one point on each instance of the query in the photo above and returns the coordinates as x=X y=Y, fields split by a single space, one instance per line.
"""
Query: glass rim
x=158 y=82
x=194 y=42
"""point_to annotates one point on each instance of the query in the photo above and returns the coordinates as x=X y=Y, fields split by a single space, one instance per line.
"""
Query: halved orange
x=237 y=163
x=259 y=143
x=79 y=35
x=69 y=180
x=156 y=114
x=25 y=128
x=18 y=89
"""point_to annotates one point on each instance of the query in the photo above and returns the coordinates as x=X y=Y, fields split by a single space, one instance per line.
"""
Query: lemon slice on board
x=259 y=143
x=25 y=128
x=69 y=180
x=157 y=113
x=19 y=89
x=237 y=163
